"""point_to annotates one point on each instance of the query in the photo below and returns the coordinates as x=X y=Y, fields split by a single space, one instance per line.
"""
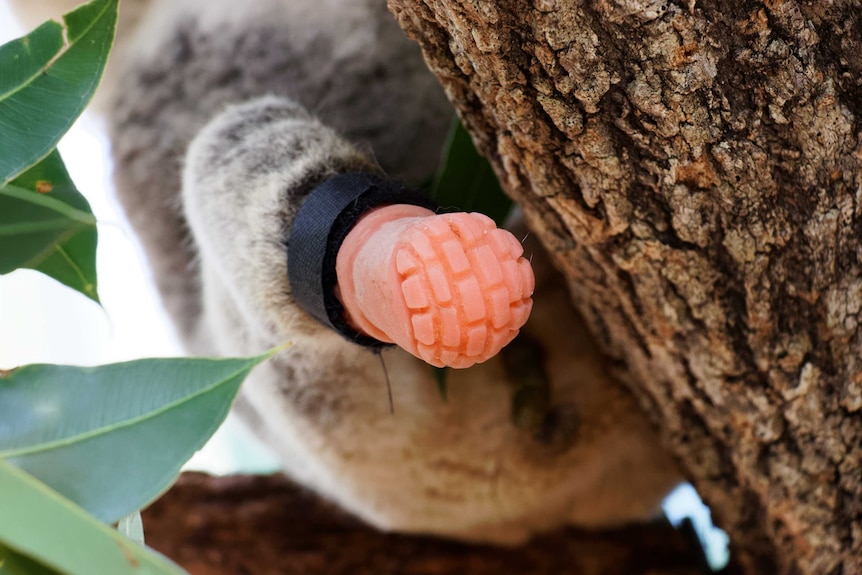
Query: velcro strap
x=326 y=217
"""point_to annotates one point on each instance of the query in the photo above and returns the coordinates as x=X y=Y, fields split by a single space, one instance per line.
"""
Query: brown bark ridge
x=696 y=170
x=266 y=525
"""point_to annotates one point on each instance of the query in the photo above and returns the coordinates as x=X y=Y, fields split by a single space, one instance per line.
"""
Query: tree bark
x=268 y=525
x=696 y=170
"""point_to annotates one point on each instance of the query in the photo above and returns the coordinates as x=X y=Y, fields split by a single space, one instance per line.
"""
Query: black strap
x=330 y=211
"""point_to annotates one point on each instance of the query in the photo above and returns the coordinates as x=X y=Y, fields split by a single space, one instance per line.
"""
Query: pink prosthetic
x=451 y=289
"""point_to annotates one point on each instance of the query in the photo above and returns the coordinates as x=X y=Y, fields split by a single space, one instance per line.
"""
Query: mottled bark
x=269 y=526
x=696 y=168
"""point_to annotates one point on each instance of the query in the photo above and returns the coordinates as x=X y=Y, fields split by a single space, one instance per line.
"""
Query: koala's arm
x=458 y=468
x=215 y=149
x=246 y=175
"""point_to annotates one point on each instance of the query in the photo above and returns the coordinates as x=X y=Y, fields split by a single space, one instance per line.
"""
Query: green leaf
x=112 y=438
x=48 y=78
x=12 y=563
x=465 y=181
x=47 y=225
x=41 y=533
x=132 y=526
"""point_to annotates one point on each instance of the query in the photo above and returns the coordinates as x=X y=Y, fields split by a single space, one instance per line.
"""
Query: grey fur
x=223 y=119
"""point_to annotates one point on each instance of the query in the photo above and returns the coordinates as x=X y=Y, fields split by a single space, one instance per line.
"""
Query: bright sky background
x=42 y=321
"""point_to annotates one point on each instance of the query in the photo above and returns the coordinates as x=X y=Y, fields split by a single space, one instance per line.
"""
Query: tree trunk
x=268 y=525
x=697 y=172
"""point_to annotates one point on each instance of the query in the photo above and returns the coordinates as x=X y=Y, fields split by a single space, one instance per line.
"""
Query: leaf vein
x=56 y=444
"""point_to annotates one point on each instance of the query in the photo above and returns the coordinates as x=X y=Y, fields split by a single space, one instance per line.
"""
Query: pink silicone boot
x=452 y=289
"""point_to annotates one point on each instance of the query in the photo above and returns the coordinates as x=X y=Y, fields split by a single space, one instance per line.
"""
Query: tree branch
x=268 y=525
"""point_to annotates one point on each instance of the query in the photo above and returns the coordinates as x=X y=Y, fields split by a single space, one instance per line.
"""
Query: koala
x=222 y=120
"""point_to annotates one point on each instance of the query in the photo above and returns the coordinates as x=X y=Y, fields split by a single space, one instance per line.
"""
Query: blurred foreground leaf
x=41 y=533
x=46 y=225
x=47 y=80
x=132 y=526
x=12 y=563
x=112 y=438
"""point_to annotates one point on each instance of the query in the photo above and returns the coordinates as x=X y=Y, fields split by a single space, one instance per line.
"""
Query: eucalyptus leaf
x=112 y=438
x=47 y=225
x=132 y=526
x=12 y=563
x=41 y=533
x=465 y=181
x=49 y=77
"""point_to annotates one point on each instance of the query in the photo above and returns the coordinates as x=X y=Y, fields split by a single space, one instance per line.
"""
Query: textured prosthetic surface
x=451 y=289
x=224 y=119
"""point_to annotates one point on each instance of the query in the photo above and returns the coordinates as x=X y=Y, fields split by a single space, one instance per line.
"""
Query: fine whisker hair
x=388 y=382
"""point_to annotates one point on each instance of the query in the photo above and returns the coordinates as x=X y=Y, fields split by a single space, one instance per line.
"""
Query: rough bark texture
x=269 y=526
x=697 y=171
